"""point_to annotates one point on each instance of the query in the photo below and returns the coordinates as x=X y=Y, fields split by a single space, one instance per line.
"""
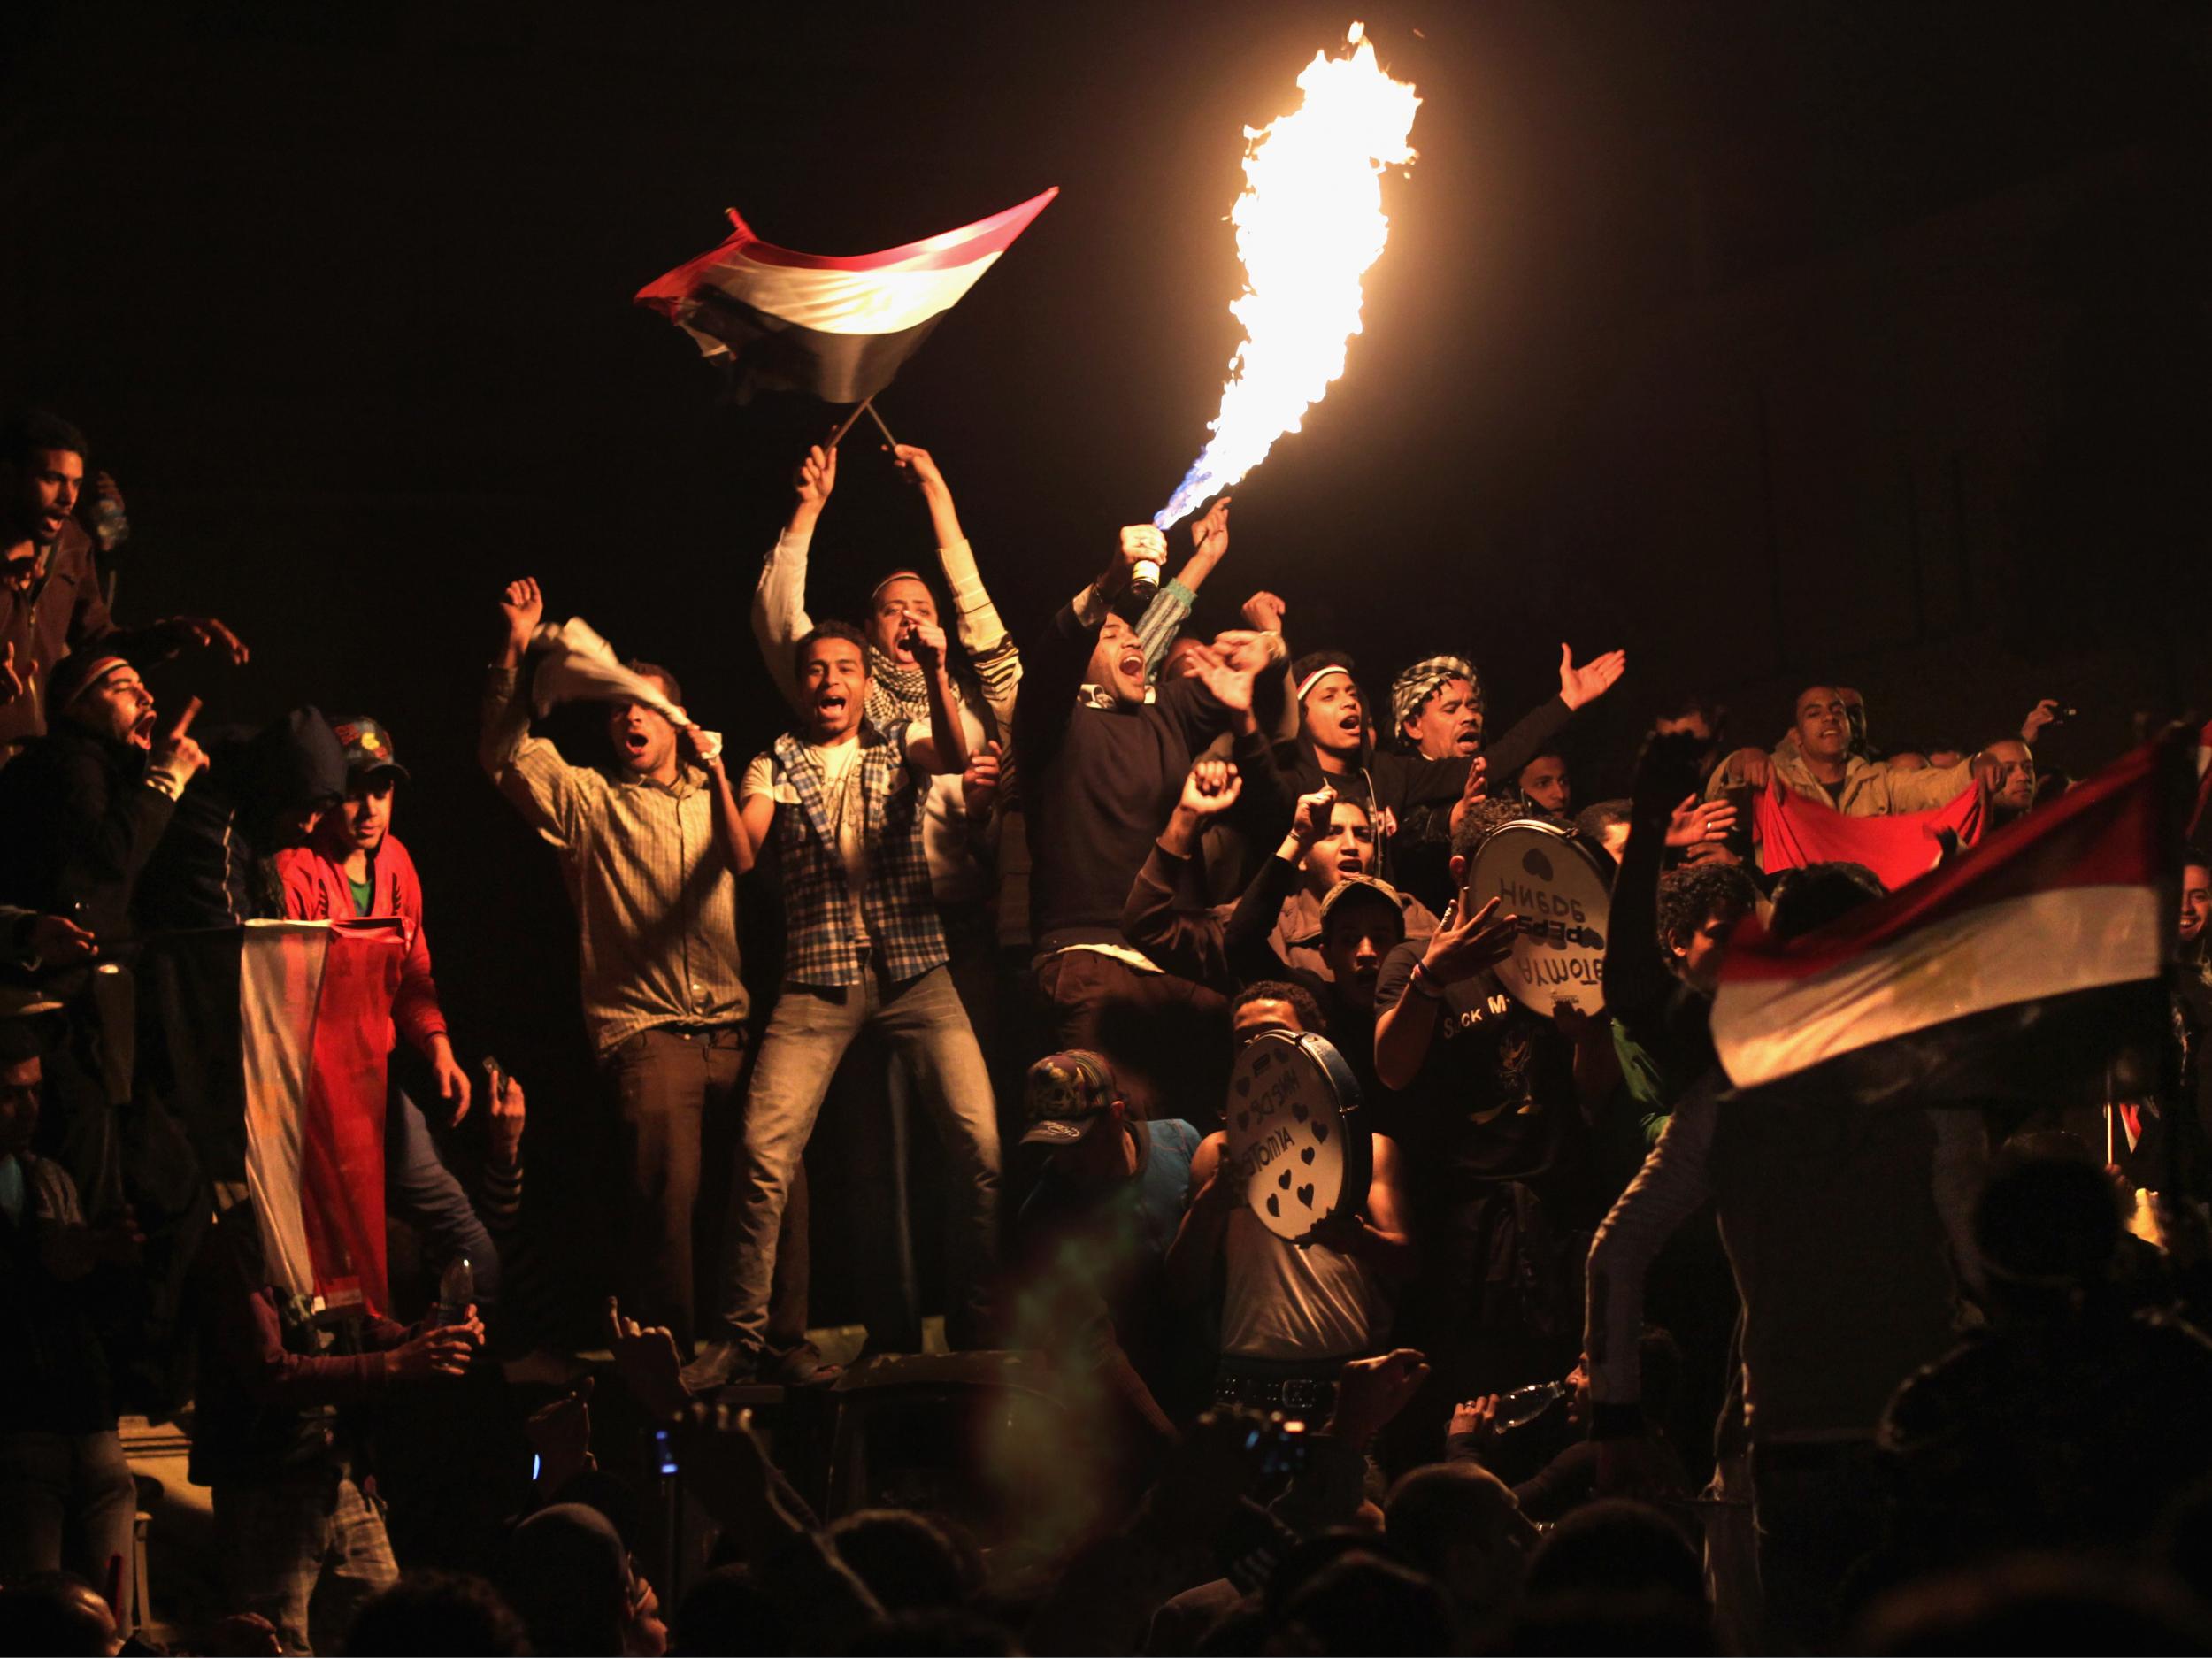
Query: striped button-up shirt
x=655 y=902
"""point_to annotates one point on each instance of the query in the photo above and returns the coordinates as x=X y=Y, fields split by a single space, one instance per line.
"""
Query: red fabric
x=315 y=890
x=941 y=252
x=1794 y=830
x=341 y=1143
x=2111 y=830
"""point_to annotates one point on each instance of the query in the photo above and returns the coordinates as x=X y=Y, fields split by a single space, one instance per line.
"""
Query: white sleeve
x=779 y=617
x=1670 y=1186
x=759 y=778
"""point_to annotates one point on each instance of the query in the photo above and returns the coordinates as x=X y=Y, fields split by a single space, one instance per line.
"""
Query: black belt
x=1296 y=1387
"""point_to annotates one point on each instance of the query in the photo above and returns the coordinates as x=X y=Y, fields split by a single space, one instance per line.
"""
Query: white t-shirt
x=843 y=804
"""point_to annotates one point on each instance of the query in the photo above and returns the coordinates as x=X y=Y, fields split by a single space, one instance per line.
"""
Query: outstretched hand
x=1592 y=680
x=1470 y=939
x=1694 y=821
x=2044 y=713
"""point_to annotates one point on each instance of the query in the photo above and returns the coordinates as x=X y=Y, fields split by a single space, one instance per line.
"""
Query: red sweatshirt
x=315 y=890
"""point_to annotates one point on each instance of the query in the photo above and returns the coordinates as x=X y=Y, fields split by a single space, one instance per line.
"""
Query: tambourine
x=1295 y=1133
x=1563 y=892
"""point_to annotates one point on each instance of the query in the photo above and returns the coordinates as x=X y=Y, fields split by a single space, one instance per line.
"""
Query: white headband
x=1319 y=675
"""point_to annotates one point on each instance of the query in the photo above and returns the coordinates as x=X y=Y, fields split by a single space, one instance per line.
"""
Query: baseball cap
x=1065 y=1094
x=1348 y=891
x=368 y=746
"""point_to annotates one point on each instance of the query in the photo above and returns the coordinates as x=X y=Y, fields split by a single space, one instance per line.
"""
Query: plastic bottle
x=1523 y=1406
x=456 y=1292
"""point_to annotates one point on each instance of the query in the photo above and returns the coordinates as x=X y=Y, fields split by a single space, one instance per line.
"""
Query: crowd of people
x=1592 y=1356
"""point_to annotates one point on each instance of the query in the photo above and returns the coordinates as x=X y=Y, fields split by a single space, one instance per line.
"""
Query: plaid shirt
x=897 y=906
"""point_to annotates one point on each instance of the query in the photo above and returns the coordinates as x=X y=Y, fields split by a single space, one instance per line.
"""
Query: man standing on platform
x=649 y=847
x=842 y=804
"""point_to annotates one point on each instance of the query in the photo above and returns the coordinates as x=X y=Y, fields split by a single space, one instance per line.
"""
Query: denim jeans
x=306 y=1549
x=424 y=1193
x=921 y=1022
x=66 y=1500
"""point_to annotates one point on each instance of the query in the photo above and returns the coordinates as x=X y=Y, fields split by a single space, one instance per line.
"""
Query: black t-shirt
x=1497 y=1089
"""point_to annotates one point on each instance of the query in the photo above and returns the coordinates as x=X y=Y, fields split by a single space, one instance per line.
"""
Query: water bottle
x=110 y=525
x=1523 y=1406
x=456 y=1292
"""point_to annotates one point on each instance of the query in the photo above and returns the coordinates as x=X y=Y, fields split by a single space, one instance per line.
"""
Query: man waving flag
x=2028 y=968
x=837 y=326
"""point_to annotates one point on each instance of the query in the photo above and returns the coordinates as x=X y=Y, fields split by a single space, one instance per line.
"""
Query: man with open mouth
x=652 y=852
x=838 y=807
x=50 y=598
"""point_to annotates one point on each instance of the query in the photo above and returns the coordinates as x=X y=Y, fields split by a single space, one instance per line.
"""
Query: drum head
x=1563 y=894
x=1295 y=1133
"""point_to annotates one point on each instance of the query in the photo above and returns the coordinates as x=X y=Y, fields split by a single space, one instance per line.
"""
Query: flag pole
x=845 y=425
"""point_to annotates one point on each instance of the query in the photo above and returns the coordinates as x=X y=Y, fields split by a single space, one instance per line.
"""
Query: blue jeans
x=921 y=1022
x=420 y=1190
x=66 y=1500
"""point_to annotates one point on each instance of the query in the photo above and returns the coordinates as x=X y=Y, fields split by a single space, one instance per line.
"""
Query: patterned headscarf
x=1411 y=692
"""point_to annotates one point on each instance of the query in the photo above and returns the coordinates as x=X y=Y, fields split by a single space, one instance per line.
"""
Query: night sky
x=1840 y=339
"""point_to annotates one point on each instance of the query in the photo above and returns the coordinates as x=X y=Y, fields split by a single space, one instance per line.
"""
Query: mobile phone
x=664 y=1452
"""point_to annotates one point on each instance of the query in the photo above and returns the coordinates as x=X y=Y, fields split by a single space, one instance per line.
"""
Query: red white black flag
x=837 y=326
x=2029 y=969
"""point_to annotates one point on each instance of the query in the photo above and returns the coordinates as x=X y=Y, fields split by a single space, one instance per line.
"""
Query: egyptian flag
x=1793 y=830
x=280 y=1078
x=838 y=327
x=2030 y=969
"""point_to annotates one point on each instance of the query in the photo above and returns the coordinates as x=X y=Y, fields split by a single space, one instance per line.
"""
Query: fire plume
x=1308 y=224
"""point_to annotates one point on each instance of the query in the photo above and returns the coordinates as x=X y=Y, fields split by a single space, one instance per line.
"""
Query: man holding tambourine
x=1296 y=1218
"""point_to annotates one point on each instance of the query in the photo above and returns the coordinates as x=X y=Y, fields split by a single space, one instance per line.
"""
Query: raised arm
x=1636 y=975
x=529 y=770
x=1171 y=607
x=946 y=749
x=1058 y=658
x=1469 y=940
x=779 y=617
x=982 y=634
x=1578 y=686
x=1181 y=940
x=729 y=822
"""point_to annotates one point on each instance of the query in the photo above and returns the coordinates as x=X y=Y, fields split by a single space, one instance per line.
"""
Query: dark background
x=1863 y=341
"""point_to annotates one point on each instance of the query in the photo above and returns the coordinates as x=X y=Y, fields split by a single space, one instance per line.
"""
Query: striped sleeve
x=1162 y=621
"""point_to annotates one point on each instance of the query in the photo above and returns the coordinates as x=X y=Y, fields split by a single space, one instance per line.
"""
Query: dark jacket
x=58 y=613
x=217 y=867
x=79 y=823
x=1098 y=783
x=275 y=1387
x=1420 y=793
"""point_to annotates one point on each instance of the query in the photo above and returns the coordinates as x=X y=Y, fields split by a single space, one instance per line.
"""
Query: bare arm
x=1193 y=1261
x=946 y=749
x=729 y=821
